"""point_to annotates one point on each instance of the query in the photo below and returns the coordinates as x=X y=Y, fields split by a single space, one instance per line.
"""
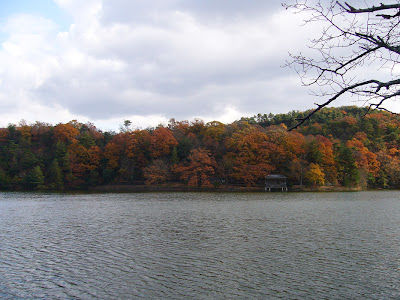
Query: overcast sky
x=106 y=61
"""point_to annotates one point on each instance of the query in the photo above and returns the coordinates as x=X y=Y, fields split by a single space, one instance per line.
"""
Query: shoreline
x=125 y=188
x=173 y=188
x=183 y=188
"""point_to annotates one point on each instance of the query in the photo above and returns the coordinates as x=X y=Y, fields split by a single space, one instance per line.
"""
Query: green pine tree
x=4 y=180
x=55 y=177
x=35 y=178
x=348 y=170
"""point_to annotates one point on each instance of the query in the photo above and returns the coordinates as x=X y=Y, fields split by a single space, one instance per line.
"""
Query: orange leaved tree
x=156 y=173
x=65 y=133
x=200 y=168
x=161 y=142
x=367 y=162
x=250 y=155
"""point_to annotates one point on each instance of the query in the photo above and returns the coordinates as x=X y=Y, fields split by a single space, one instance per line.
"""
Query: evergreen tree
x=55 y=177
x=35 y=178
x=348 y=171
x=174 y=156
x=4 y=180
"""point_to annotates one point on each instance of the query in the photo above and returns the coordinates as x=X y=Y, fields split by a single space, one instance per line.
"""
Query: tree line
x=337 y=147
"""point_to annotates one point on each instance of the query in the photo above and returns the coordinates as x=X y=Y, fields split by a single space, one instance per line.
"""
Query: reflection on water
x=200 y=245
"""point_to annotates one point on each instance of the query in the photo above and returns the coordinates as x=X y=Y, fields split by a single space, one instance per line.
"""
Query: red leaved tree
x=200 y=168
x=251 y=155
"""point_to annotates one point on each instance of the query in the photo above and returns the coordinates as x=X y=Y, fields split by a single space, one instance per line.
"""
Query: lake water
x=200 y=246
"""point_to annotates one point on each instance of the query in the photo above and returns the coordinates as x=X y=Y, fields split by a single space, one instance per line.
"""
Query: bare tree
x=357 y=52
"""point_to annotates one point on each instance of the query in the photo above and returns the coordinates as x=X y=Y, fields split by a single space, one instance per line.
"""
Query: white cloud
x=177 y=60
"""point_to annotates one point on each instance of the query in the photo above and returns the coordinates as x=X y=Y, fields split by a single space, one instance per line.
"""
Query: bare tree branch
x=320 y=106
x=350 y=9
x=353 y=42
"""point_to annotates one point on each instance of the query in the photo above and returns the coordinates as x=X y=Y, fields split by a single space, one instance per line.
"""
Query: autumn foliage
x=199 y=169
x=339 y=147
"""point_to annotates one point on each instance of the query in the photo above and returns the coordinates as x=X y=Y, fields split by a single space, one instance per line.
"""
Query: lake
x=200 y=245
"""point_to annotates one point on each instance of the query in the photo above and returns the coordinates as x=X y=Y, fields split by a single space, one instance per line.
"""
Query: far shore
x=222 y=188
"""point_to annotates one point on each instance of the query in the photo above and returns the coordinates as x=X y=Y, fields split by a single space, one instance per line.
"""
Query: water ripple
x=200 y=246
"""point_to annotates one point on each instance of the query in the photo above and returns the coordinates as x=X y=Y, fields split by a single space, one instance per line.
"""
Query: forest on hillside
x=338 y=147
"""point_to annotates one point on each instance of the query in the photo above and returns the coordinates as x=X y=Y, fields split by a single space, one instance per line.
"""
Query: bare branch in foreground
x=354 y=43
x=379 y=85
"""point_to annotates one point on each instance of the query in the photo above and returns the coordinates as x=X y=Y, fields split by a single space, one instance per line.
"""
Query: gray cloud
x=131 y=11
x=169 y=58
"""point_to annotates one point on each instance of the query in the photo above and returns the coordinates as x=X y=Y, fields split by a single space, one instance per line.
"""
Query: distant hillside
x=338 y=147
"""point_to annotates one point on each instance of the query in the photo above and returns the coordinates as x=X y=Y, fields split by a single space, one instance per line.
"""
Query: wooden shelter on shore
x=275 y=182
